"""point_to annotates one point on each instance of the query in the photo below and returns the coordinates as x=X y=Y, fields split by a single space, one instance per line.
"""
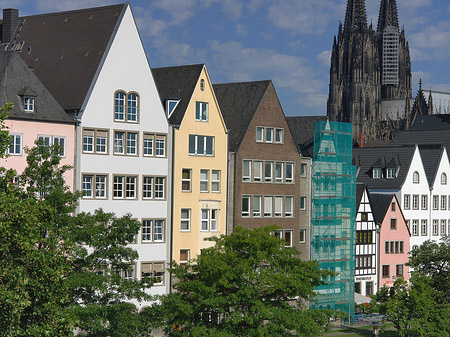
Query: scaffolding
x=333 y=215
x=390 y=56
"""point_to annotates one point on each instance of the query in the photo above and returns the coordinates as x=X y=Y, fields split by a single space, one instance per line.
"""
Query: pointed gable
x=302 y=129
x=239 y=103
x=177 y=83
x=65 y=49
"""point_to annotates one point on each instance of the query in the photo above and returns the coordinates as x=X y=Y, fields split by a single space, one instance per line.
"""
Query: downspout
x=430 y=221
x=171 y=168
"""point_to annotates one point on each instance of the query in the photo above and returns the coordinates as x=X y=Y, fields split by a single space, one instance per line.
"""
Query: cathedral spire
x=388 y=15
x=355 y=16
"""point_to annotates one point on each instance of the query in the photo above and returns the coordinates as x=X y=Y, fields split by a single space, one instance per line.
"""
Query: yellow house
x=199 y=142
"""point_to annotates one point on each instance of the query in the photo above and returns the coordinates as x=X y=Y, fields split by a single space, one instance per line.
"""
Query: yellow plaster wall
x=195 y=200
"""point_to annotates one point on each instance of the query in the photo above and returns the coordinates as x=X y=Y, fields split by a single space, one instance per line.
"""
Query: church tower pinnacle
x=355 y=16
x=388 y=16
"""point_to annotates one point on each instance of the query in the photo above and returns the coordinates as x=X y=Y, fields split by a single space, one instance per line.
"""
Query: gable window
x=278 y=136
x=416 y=177
x=15 y=146
x=201 y=145
x=393 y=223
x=443 y=179
x=201 y=111
x=376 y=173
x=126 y=107
x=393 y=206
x=259 y=133
x=29 y=104
x=269 y=135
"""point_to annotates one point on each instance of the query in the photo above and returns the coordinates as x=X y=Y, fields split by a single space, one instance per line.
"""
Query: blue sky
x=287 y=41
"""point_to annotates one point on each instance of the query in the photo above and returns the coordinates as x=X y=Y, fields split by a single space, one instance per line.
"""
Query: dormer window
x=376 y=173
x=390 y=173
x=171 y=105
x=28 y=104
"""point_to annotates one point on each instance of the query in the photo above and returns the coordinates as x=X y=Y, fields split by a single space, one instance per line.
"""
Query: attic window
x=390 y=173
x=202 y=85
x=171 y=105
x=28 y=103
x=376 y=173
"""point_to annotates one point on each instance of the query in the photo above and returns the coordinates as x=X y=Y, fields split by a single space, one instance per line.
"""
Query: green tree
x=433 y=259
x=414 y=308
x=247 y=284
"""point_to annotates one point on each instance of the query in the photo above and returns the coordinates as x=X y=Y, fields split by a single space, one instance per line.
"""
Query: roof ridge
x=246 y=82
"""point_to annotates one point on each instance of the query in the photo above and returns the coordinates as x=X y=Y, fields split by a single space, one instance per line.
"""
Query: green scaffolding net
x=333 y=214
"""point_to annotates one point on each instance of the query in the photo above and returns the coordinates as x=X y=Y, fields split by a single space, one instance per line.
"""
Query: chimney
x=10 y=22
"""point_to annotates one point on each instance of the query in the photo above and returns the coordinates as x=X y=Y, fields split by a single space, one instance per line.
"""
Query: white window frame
x=256 y=206
x=50 y=140
x=257 y=170
x=204 y=181
x=415 y=201
x=443 y=202
x=268 y=202
x=435 y=202
x=303 y=203
x=204 y=220
x=199 y=116
x=443 y=178
x=148 y=145
x=435 y=229
x=246 y=170
x=268 y=137
x=279 y=172
x=424 y=228
x=290 y=177
x=147 y=187
x=302 y=235
x=289 y=206
x=160 y=188
x=443 y=227
x=187 y=252
x=246 y=199
x=416 y=177
x=278 y=206
x=194 y=140
x=124 y=144
x=268 y=179
x=15 y=144
x=415 y=227
x=406 y=201
x=186 y=180
x=424 y=201
x=303 y=168
x=29 y=104
x=259 y=134
x=185 y=219
x=215 y=181
x=279 y=133
x=214 y=220
x=160 y=146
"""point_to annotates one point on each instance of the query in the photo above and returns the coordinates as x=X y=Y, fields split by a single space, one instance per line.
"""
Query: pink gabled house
x=36 y=114
x=393 y=240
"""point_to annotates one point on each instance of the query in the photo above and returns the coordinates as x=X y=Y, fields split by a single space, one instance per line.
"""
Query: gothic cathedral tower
x=368 y=68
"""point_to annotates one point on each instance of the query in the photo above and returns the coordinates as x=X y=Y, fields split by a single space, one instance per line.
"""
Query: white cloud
x=419 y=75
x=148 y=26
x=241 y=29
x=431 y=43
x=232 y=8
x=324 y=58
x=314 y=101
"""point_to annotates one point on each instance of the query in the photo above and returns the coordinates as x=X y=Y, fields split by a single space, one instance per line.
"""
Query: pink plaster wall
x=388 y=234
x=30 y=131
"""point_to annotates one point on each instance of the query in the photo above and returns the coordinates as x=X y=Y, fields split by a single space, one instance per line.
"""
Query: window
x=363 y=237
x=205 y=220
x=147 y=187
x=201 y=111
x=129 y=273
x=185 y=219
x=126 y=107
x=160 y=183
x=393 y=207
x=131 y=143
x=302 y=203
x=148 y=144
x=415 y=203
x=170 y=106
x=303 y=170
x=154 y=145
x=415 y=227
x=48 y=141
x=376 y=173
x=435 y=202
x=369 y=288
x=443 y=202
x=186 y=180
x=424 y=201
x=158 y=234
x=214 y=220
x=125 y=187
x=153 y=230
x=245 y=205
x=393 y=223
x=435 y=228
x=278 y=172
x=204 y=180
x=215 y=181
x=399 y=270
x=394 y=247
x=286 y=235
x=358 y=286
x=257 y=170
x=443 y=179
x=15 y=146
x=259 y=133
x=130 y=187
x=28 y=104
x=423 y=228
x=246 y=169
x=202 y=84
x=290 y=172
x=278 y=136
x=302 y=235
x=288 y=206
x=406 y=201
x=267 y=206
x=269 y=135
x=201 y=145
x=125 y=143
x=390 y=173
x=385 y=271
x=184 y=256
x=416 y=177
x=153 y=270
x=364 y=216
x=147 y=230
x=268 y=167
x=278 y=206
x=94 y=186
x=443 y=227
x=256 y=206
x=160 y=146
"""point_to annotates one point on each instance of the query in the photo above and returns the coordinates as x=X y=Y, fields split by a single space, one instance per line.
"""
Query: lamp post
x=376 y=328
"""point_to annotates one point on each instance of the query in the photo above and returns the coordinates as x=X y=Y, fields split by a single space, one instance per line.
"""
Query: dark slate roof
x=177 y=82
x=16 y=81
x=367 y=158
x=359 y=194
x=238 y=103
x=379 y=204
x=429 y=139
x=302 y=129
x=66 y=48
x=430 y=160
x=431 y=123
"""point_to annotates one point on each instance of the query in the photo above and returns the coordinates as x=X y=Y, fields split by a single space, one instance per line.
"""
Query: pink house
x=393 y=240
x=36 y=115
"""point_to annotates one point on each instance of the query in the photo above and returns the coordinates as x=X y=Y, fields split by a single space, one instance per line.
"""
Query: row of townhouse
x=186 y=158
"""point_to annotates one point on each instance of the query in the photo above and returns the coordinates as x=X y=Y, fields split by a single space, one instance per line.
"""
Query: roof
x=431 y=123
x=302 y=129
x=177 y=83
x=379 y=203
x=65 y=49
x=424 y=138
x=238 y=103
x=430 y=160
x=398 y=158
x=360 y=188
x=17 y=81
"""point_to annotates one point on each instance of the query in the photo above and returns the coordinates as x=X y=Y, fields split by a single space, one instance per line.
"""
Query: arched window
x=416 y=177
x=132 y=107
x=119 y=106
x=443 y=179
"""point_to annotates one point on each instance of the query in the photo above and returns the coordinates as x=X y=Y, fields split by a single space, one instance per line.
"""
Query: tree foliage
x=247 y=284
